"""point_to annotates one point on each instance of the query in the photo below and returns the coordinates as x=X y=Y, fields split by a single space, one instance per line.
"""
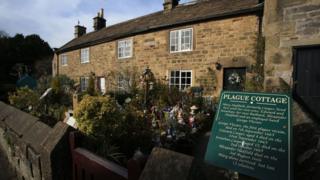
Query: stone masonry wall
x=33 y=149
x=230 y=42
x=287 y=24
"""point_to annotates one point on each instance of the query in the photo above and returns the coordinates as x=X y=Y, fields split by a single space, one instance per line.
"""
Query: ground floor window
x=180 y=79
x=123 y=83
x=84 y=82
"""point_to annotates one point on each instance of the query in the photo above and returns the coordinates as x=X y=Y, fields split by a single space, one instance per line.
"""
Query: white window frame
x=178 y=40
x=84 y=85
x=64 y=60
x=84 y=55
x=123 y=83
x=180 y=77
x=125 y=47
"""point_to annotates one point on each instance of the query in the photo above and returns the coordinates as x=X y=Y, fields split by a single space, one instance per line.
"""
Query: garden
x=118 y=124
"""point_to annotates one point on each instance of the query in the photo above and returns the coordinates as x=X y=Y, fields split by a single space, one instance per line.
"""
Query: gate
x=306 y=89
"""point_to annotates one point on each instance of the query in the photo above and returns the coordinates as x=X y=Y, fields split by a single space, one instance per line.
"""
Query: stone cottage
x=209 y=44
x=292 y=51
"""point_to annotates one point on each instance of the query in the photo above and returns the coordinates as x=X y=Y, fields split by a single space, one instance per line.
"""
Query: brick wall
x=231 y=42
x=287 y=24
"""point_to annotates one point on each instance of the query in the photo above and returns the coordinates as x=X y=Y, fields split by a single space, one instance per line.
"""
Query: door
x=234 y=79
x=306 y=88
x=102 y=85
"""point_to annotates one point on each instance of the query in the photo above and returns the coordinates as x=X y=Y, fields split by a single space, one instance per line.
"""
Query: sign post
x=251 y=134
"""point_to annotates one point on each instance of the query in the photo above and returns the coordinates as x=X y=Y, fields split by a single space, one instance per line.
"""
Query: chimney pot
x=79 y=30
x=99 y=22
x=168 y=5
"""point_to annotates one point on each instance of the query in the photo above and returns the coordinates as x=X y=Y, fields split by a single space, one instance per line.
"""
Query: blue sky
x=54 y=20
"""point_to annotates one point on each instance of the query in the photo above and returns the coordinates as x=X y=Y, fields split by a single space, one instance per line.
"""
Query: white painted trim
x=180 y=39
x=131 y=48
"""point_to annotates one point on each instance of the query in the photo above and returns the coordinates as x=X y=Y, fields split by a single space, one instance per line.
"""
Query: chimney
x=79 y=30
x=99 y=22
x=170 y=4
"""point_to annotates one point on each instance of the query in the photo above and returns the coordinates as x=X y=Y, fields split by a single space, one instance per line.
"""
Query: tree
x=3 y=34
x=21 y=55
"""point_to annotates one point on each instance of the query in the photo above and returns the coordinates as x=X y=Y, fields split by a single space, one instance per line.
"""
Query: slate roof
x=180 y=15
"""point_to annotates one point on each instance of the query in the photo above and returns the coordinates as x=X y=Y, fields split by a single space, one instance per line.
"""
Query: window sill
x=175 y=52
x=124 y=58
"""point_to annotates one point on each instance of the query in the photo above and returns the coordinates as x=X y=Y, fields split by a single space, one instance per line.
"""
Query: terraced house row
x=209 y=44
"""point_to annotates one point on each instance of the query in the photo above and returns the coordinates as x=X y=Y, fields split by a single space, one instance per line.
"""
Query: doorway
x=234 y=79
x=306 y=89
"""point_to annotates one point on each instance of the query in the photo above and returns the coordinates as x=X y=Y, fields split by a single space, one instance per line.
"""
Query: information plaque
x=251 y=134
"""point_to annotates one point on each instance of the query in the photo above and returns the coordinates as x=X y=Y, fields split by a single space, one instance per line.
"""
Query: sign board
x=251 y=134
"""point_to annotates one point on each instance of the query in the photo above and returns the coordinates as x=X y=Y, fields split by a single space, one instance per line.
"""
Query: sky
x=54 y=20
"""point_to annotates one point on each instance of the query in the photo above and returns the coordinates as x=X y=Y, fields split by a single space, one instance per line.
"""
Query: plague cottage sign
x=251 y=134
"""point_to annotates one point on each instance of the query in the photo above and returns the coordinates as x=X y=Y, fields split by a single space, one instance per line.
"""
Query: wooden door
x=234 y=79
x=306 y=88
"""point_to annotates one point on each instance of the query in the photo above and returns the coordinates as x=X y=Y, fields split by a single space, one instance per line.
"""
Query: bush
x=97 y=116
x=52 y=107
x=100 y=118
x=25 y=99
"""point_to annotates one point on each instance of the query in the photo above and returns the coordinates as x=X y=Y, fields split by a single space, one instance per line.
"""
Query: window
x=84 y=82
x=84 y=55
x=180 y=79
x=64 y=60
x=125 y=49
x=181 y=40
x=123 y=83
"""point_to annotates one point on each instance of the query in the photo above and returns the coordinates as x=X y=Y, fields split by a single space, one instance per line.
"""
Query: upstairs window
x=64 y=60
x=180 y=79
x=181 y=40
x=84 y=82
x=125 y=48
x=84 y=55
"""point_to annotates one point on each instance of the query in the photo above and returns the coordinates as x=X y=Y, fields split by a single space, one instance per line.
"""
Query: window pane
x=177 y=81
x=171 y=80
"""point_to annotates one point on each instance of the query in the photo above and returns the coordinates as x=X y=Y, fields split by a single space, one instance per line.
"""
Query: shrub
x=100 y=118
x=25 y=99
x=97 y=116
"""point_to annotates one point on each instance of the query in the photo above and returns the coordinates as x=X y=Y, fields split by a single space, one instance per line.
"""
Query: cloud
x=54 y=20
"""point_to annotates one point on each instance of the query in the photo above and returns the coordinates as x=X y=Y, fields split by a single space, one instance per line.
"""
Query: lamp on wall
x=218 y=66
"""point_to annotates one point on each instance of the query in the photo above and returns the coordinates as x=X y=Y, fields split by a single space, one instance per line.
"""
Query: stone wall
x=33 y=149
x=287 y=24
x=231 y=42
